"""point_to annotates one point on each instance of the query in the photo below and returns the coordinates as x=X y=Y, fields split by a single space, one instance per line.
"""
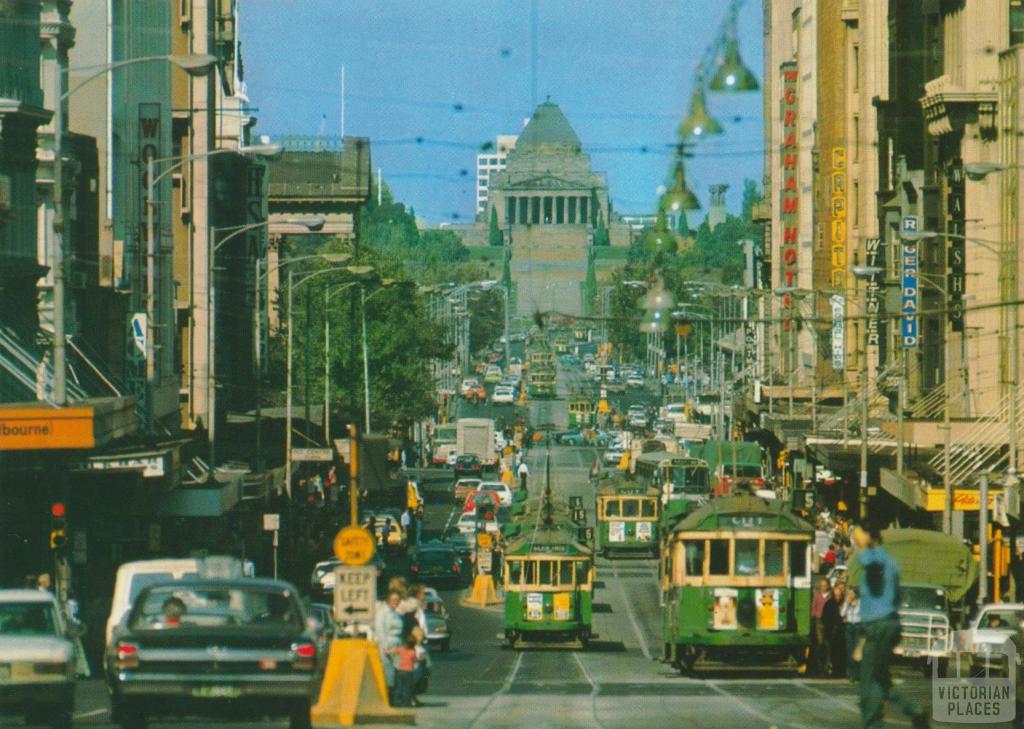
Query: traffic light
x=484 y=512
x=58 y=526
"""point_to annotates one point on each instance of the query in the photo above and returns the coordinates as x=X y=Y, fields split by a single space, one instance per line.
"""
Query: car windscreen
x=1000 y=620
x=689 y=480
x=215 y=606
x=144 y=579
x=915 y=597
x=27 y=618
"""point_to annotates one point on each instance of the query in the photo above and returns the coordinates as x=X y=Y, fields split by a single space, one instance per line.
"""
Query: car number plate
x=217 y=692
x=5 y=671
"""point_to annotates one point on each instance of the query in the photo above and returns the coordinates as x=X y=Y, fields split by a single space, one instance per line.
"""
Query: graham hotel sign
x=790 y=192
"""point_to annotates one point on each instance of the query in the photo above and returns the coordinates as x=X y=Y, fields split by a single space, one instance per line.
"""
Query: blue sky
x=458 y=72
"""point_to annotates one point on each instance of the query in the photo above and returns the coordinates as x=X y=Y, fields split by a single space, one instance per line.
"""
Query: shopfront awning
x=203 y=501
x=36 y=426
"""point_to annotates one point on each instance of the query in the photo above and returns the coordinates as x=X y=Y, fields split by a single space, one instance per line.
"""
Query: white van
x=134 y=577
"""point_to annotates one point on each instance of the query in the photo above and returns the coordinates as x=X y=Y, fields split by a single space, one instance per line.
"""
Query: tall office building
x=487 y=163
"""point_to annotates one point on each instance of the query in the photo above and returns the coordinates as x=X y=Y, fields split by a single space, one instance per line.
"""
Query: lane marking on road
x=505 y=688
x=94 y=712
x=631 y=615
x=713 y=685
x=848 y=705
x=594 y=688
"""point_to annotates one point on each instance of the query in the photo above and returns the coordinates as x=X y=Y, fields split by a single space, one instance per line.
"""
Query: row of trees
x=696 y=257
x=402 y=337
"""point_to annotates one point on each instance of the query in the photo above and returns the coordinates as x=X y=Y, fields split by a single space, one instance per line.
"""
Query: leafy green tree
x=601 y=237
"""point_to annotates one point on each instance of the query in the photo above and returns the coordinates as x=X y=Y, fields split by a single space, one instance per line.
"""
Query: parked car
x=991 y=628
x=501 y=488
x=396 y=534
x=492 y=374
x=634 y=381
x=613 y=455
x=196 y=647
x=132 y=577
x=467 y=524
x=439 y=631
x=464 y=487
x=572 y=438
x=503 y=395
x=37 y=659
x=468 y=465
x=321 y=582
x=473 y=390
x=436 y=564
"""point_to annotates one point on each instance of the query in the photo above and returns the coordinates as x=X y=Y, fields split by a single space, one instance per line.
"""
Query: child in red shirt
x=404 y=658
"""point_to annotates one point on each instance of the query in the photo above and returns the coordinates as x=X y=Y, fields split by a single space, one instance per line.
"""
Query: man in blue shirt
x=880 y=630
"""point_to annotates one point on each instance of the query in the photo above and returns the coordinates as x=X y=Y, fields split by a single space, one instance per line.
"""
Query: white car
x=634 y=381
x=613 y=455
x=990 y=630
x=504 y=492
x=37 y=658
x=503 y=395
x=467 y=524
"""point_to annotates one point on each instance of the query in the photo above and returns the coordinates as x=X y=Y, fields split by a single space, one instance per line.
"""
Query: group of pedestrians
x=835 y=624
x=400 y=631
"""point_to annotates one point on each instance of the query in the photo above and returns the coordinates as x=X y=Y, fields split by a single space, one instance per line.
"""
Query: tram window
x=772 y=557
x=694 y=558
x=647 y=508
x=515 y=571
x=797 y=559
x=565 y=572
x=547 y=572
x=582 y=572
x=719 y=562
x=630 y=507
x=529 y=572
x=611 y=507
x=746 y=557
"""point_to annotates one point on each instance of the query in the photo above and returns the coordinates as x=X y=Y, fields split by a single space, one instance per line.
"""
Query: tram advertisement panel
x=643 y=531
x=767 y=601
x=617 y=531
x=534 y=606
x=725 y=608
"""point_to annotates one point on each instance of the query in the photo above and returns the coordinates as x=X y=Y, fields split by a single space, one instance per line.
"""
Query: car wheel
x=300 y=717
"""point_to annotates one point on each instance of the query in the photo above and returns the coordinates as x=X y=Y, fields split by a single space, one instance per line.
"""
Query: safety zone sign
x=355 y=593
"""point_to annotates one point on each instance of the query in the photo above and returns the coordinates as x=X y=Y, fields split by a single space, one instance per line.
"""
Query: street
x=617 y=682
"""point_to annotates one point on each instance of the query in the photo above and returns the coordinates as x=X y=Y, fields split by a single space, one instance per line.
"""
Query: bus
x=738 y=587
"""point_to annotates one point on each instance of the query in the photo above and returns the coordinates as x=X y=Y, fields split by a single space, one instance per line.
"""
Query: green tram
x=548 y=579
x=627 y=517
x=582 y=414
x=739 y=586
x=541 y=383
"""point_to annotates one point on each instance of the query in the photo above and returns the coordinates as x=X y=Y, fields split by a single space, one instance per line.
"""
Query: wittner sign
x=790 y=190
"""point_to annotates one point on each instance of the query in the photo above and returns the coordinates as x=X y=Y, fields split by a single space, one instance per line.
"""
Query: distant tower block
x=716 y=210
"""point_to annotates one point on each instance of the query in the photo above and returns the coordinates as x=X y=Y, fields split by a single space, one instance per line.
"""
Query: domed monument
x=548 y=201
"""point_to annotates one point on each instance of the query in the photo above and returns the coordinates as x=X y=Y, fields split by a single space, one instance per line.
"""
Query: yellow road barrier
x=354 y=690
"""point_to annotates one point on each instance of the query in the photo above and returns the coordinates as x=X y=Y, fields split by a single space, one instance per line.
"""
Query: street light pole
x=194 y=65
x=366 y=360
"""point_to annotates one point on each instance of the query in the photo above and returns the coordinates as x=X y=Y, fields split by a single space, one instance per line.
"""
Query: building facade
x=488 y=163
x=549 y=201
